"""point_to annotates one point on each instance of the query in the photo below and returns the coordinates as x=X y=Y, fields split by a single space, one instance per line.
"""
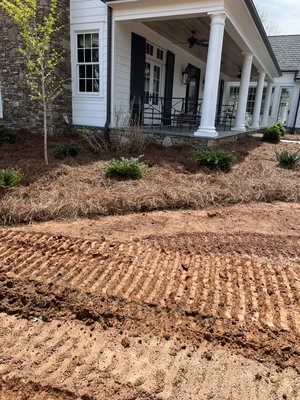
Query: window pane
x=89 y=85
x=95 y=54
x=96 y=71
x=95 y=40
x=81 y=71
x=80 y=41
x=82 y=85
x=89 y=71
x=88 y=41
x=149 y=49
x=96 y=85
x=80 y=56
x=88 y=56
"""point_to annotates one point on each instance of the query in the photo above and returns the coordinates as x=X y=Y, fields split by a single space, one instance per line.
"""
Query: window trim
x=76 y=91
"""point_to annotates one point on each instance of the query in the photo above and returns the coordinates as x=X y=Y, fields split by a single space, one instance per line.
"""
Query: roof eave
x=254 y=14
x=261 y=29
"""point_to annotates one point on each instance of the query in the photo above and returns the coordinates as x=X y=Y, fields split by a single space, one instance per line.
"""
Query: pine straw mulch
x=76 y=187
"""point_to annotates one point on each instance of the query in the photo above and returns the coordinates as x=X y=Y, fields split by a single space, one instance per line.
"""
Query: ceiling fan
x=193 y=41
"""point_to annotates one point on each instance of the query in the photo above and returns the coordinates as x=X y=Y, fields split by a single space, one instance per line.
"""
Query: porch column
x=243 y=95
x=265 y=119
x=212 y=75
x=258 y=99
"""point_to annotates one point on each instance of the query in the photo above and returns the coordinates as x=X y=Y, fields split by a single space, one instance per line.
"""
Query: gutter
x=109 y=75
x=261 y=29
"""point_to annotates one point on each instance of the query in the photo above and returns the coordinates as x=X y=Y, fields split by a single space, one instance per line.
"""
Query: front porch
x=171 y=68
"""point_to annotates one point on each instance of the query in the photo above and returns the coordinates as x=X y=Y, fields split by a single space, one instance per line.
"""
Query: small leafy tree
x=41 y=59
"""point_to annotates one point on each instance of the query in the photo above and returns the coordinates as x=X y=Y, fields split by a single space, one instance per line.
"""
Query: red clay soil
x=186 y=305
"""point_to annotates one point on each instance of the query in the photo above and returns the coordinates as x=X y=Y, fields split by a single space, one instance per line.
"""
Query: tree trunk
x=45 y=126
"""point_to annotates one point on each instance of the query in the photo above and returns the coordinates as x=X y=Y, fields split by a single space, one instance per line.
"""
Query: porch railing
x=178 y=113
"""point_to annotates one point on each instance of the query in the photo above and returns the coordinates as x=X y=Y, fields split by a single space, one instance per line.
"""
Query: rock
x=167 y=142
x=125 y=342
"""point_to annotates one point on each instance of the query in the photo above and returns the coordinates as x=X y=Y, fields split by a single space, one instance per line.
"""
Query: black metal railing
x=177 y=112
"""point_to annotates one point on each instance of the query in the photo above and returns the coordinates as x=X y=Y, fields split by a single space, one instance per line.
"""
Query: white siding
x=89 y=16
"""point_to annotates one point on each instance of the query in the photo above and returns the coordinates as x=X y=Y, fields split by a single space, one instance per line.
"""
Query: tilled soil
x=198 y=315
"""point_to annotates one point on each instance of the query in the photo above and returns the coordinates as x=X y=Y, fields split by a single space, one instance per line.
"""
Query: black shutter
x=137 y=75
x=168 y=88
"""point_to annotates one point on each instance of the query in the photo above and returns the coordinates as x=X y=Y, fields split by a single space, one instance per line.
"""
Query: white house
x=199 y=66
x=169 y=63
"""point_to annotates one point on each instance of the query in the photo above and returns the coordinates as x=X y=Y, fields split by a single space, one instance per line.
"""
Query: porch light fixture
x=185 y=75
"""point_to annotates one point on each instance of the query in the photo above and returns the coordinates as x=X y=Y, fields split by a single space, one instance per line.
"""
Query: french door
x=284 y=105
x=152 y=93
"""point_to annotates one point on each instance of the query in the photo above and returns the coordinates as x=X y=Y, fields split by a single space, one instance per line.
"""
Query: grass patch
x=213 y=159
x=124 y=169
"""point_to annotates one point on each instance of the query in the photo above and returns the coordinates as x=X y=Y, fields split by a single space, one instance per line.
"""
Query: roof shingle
x=287 y=51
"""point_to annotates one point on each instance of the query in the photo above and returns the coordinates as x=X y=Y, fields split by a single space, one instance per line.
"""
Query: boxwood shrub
x=273 y=133
x=213 y=159
x=124 y=169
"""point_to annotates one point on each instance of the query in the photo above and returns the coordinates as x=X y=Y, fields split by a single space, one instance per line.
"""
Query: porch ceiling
x=178 y=30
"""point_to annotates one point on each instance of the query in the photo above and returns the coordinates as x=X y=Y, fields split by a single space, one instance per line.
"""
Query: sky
x=283 y=13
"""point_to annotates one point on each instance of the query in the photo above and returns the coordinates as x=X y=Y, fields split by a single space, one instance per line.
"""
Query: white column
x=209 y=106
x=243 y=95
x=258 y=99
x=265 y=119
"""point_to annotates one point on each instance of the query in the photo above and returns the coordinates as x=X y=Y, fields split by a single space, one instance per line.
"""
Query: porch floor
x=188 y=133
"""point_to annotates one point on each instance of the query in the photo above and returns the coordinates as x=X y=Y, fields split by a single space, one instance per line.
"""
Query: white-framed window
x=155 y=58
x=88 y=62
x=234 y=95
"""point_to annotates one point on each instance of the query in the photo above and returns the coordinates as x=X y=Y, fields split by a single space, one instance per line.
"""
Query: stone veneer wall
x=18 y=110
x=160 y=138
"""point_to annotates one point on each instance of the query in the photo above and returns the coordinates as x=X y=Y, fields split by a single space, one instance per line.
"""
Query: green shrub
x=126 y=168
x=7 y=135
x=273 y=134
x=288 y=159
x=282 y=129
x=63 y=150
x=9 y=178
x=213 y=159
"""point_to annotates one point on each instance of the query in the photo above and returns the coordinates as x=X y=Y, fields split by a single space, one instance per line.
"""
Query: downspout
x=109 y=75
x=297 y=110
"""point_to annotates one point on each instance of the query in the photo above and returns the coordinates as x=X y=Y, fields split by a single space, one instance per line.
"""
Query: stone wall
x=18 y=110
x=162 y=138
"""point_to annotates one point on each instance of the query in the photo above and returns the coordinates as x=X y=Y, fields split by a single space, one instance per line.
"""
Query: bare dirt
x=163 y=305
